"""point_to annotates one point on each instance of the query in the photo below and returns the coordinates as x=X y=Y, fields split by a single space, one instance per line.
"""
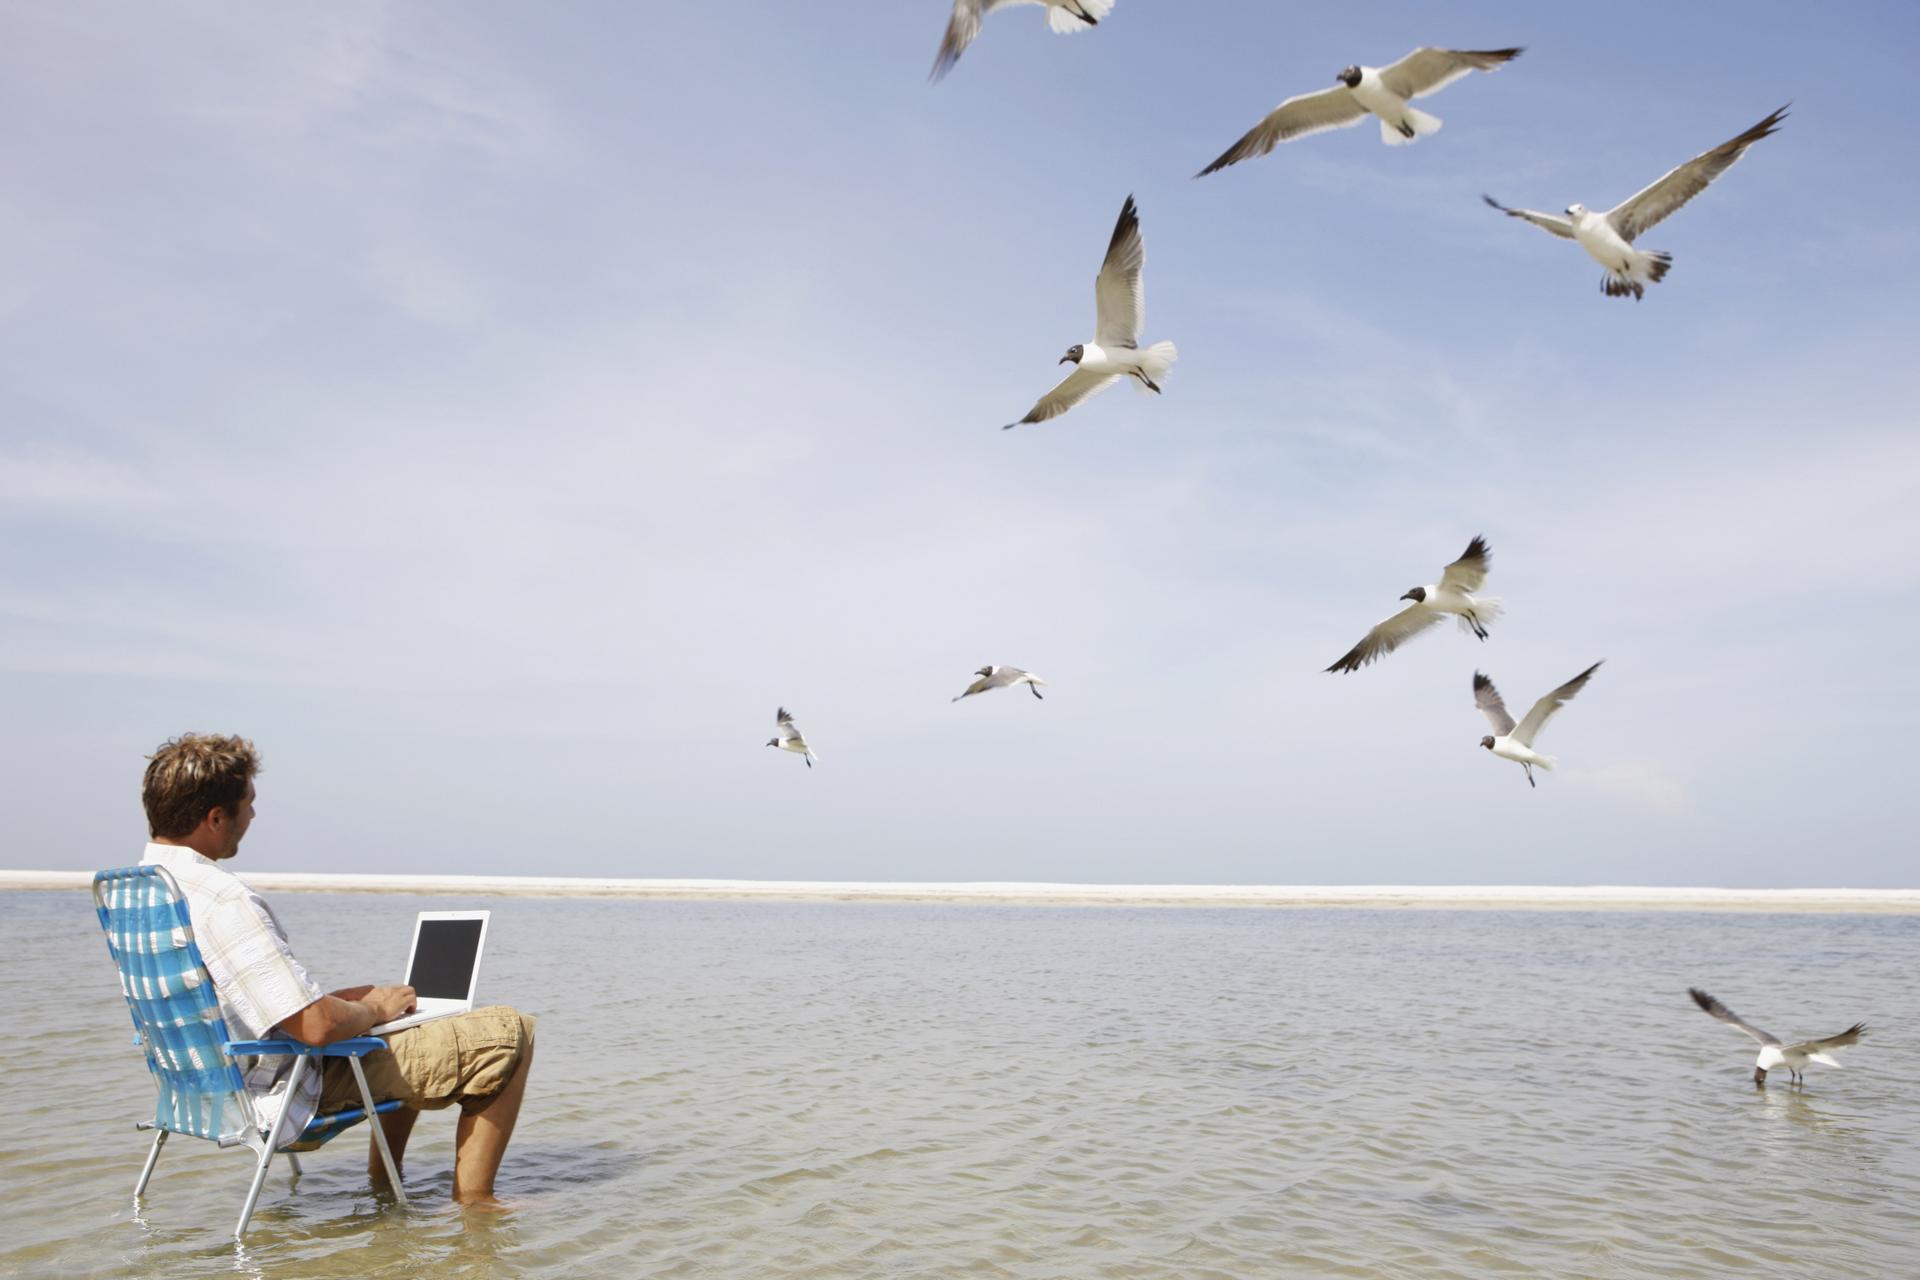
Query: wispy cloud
x=1640 y=782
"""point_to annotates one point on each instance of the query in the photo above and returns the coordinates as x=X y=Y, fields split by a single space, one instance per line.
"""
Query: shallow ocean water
x=772 y=1091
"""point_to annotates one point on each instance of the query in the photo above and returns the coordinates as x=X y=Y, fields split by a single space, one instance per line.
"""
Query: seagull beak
x=1064 y=360
x=1408 y=596
x=1760 y=1075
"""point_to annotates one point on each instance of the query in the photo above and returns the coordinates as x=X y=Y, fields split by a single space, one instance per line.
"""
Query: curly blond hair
x=192 y=774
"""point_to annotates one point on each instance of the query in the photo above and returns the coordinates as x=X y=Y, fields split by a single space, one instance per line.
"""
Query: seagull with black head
x=1453 y=594
x=1359 y=92
x=1120 y=304
x=1774 y=1054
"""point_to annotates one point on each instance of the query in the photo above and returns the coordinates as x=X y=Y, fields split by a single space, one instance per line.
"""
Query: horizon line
x=1025 y=893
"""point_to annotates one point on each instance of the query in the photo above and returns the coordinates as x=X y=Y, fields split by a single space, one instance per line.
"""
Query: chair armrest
x=354 y=1047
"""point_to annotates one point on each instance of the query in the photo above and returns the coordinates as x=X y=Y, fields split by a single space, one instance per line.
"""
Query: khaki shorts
x=465 y=1058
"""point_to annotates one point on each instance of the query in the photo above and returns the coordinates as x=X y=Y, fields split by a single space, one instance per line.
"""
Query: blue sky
x=496 y=411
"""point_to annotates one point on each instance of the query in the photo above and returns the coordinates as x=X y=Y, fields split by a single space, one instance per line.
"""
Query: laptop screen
x=443 y=959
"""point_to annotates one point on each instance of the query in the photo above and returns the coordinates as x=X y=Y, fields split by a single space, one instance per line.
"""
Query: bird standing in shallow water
x=1773 y=1054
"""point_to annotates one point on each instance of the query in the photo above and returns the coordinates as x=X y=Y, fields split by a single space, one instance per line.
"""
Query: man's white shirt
x=259 y=983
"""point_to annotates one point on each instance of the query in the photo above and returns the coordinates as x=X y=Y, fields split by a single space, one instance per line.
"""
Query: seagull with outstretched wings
x=996 y=677
x=1512 y=741
x=1120 y=307
x=1359 y=92
x=1064 y=16
x=1608 y=237
x=1794 y=1057
x=1453 y=594
x=788 y=737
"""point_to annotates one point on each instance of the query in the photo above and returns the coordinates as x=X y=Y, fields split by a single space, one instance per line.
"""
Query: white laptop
x=443 y=967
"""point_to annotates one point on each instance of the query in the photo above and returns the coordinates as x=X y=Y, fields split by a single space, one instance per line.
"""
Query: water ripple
x=786 y=1091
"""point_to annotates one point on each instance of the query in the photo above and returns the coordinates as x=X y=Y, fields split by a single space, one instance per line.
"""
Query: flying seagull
x=1120 y=303
x=1064 y=16
x=1453 y=594
x=1515 y=742
x=1794 y=1057
x=1364 y=91
x=789 y=739
x=1608 y=237
x=992 y=677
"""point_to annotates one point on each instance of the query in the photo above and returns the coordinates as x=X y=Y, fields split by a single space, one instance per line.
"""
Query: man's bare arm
x=332 y=1018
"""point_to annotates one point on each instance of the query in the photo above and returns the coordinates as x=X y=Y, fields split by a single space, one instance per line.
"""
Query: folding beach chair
x=176 y=1017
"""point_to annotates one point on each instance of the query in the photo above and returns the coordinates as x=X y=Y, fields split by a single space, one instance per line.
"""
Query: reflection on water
x=850 y=1091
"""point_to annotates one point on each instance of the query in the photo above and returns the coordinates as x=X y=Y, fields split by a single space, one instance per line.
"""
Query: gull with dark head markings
x=1774 y=1054
x=1608 y=237
x=1360 y=92
x=1453 y=594
x=1064 y=16
x=1120 y=300
x=789 y=739
x=1515 y=742
x=992 y=677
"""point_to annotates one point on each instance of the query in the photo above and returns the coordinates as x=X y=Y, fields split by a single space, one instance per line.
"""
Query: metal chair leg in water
x=267 y=1148
x=379 y=1130
x=153 y=1158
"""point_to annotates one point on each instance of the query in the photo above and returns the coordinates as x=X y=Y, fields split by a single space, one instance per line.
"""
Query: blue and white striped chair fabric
x=176 y=1014
x=176 y=1018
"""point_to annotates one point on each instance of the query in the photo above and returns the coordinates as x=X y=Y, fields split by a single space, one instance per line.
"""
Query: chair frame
x=265 y=1141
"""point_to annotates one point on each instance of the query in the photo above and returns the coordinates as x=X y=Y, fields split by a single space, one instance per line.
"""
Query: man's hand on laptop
x=389 y=1003
x=340 y=1016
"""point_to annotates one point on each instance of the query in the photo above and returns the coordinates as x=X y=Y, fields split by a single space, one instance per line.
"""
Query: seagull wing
x=1725 y=1014
x=1547 y=221
x=1072 y=389
x=1543 y=710
x=789 y=732
x=1469 y=572
x=1386 y=637
x=963 y=27
x=1850 y=1036
x=1119 y=297
x=1487 y=698
x=1650 y=206
x=1427 y=71
x=983 y=684
x=1334 y=108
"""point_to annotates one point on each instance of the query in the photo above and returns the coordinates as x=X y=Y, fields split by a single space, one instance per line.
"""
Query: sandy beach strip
x=1014 y=893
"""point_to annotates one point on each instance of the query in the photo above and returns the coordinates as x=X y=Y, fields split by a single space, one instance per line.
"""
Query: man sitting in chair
x=199 y=799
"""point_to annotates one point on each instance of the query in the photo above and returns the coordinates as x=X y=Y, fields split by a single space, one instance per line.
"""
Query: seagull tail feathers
x=1647 y=266
x=1078 y=16
x=1546 y=762
x=1155 y=362
x=1413 y=126
x=1824 y=1058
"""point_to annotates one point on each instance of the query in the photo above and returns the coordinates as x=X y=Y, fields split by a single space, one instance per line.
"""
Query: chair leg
x=294 y=1161
x=379 y=1130
x=267 y=1147
x=153 y=1158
